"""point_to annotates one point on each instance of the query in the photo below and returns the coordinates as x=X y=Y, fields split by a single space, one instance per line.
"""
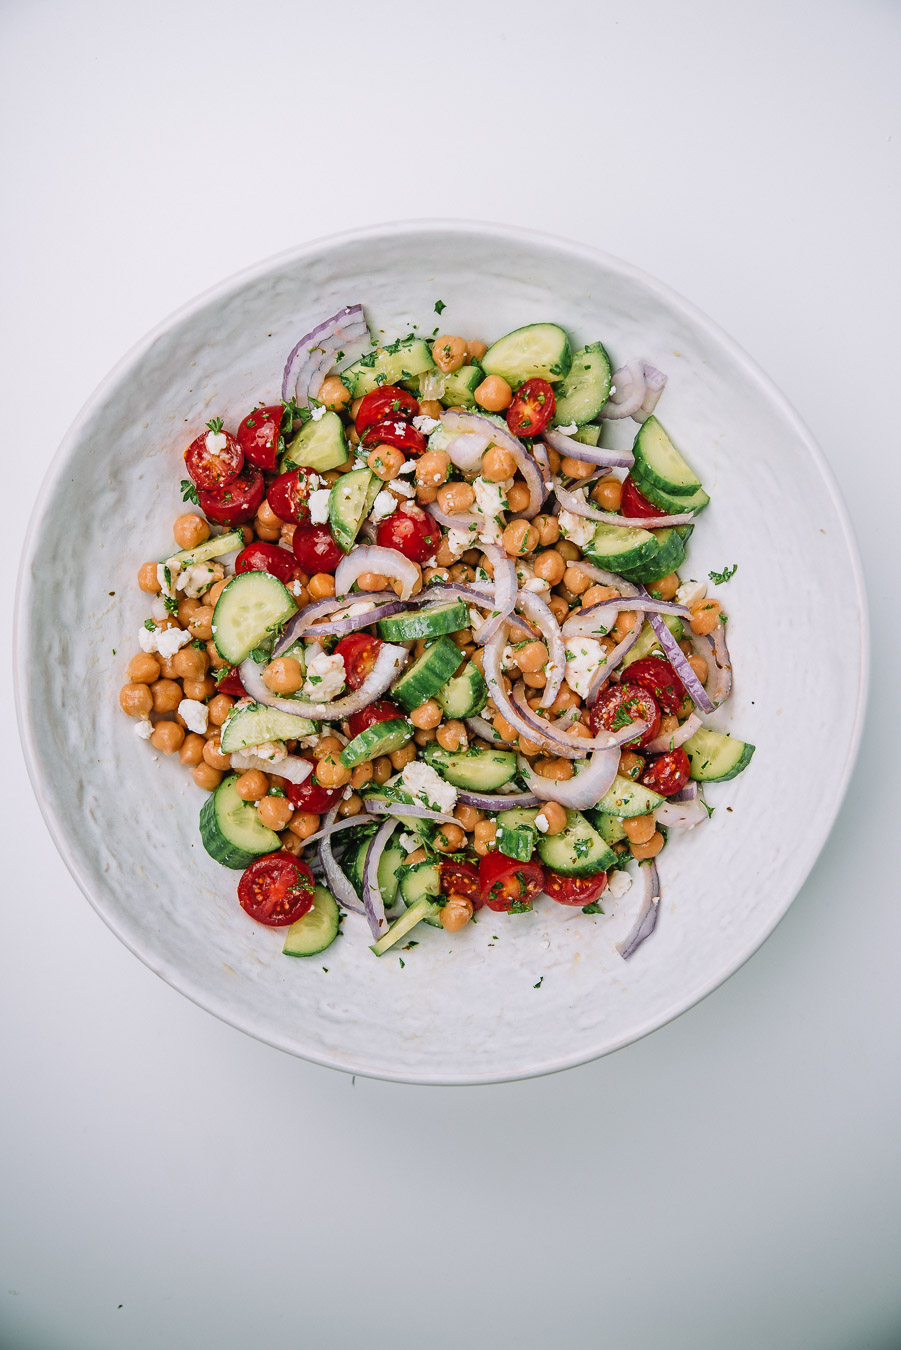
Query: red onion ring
x=647 y=916
x=588 y=454
x=584 y=789
x=574 y=626
x=383 y=807
x=383 y=561
x=661 y=745
x=604 y=578
x=295 y=769
x=682 y=815
x=630 y=388
x=337 y=825
x=389 y=663
x=679 y=661
x=372 y=892
x=500 y=436
x=338 y=884
x=566 y=745
x=505 y=591
x=656 y=382
x=574 y=504
x=463 y=521
x=482 y=730
x=498 y=801
x=719 y=664
x=540 y=613
x=317 y=351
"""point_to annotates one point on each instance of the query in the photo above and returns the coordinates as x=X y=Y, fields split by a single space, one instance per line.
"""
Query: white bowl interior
x=463 y=1009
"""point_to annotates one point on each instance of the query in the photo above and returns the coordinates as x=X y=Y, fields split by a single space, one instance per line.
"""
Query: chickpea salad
x=425 y=644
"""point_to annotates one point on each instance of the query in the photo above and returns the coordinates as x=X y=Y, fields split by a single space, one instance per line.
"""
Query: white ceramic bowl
x=467 y=1009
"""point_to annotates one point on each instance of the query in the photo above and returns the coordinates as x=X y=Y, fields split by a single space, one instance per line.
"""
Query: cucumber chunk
x=423 y=909
x=425 y=623
x=399 y=361
x=428 y=674
x=421 y=882
x=257 y=724
x=517 y=833
x=610 y=828
x=349 y=503
x=540 y=349
x=465 y=695
x=586 y=388
x=315 y=930
x=669 y=556
x=210 y=548
x=590 y=434
x=390 y=864
x=460 y=387
x=248 y=612
x=617 y=546
x=318 y=445
x=577 y=851
x=475 y=770
x=231 y=830
x=715 y=758
x=626 y=799
x=659 y=462
x=668 y=502
x=647 y=642
x=382 y=739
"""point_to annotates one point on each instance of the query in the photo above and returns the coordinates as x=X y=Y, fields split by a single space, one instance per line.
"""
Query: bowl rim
x=228 y=287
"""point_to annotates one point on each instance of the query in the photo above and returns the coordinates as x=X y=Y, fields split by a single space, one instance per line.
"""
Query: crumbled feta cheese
x=527 y=579
x=351 y=612
x=167 y=576
x=508 y=657
x=195 y=714
x=618 y=883
x=491 y=533
x=318 y=412
x=408 y=466
x=421 y=781
x=583 y=656
x=409 y=842
x=569 y=430
x=458 y=541
x=158 y=609
x=273 y=752
x=537 y=585
x=319 y=506
x=577 y=529
x=295 y=587
x=398 y=485
x=491 y=498
x=198 y=578
x=383 y=506
x=542 y=823
x=426 y=424
x=324 y=678
x=166 y=641
x=216 y=442
x=690 y=592
x=144 y=729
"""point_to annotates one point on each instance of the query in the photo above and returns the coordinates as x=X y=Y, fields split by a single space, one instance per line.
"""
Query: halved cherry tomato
x=289 y=496
x=276 y=890
x=238 y=501
x=634 y=503
x=657 y=676
x=459 y=878
x=411 y=531
x=231 y=684
x=396 y=433
x=309 y=796
x=621 y=704
x=260 y=557
x=383 y=710
x=259 y=436
x=360 y=652
x=667 y=773
x=388 y=401
x=509 y=886
x=574 y=890
x=315 y=548
x=210 y=466
x=532 y=408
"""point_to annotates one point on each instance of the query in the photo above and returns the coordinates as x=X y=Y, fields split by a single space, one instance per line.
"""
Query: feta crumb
x=166 y=641
x=491 y=533
x=167 y=575
x=421 y=781
x=158 y=610
x=458 y=541
x=399 y=486
x=144 y=729
x=618 y=883
x=584 y=655
x=383 y=506
x=508 y=657
x=569 y=430
x=690 y=592
x=295 y=588
x=542 y=823
x=271 y=751
x=527 y=579
x=324 y=678
x=409 y=842
x=318 y=412
x=537 y=585
x=579 y=530
x=407 y=467
x=198 y=578
x=216 y=442
x=319 y=506
x=195 y=714
x=491 y=498
x=426 y=424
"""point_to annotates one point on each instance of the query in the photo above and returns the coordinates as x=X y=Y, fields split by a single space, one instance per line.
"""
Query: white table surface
x=733 y=1180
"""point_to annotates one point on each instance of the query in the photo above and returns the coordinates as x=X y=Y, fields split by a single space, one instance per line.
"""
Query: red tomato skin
x=289 y=496
x=262 y=557
x=634 y=503
x=575 y=891
x=498 y=871
x=315 y=549
x=276 y=890
x=397 y=433
x=532 y=408
x=660 y=679
x=231 y=684
x=383 y=710
x=635 y=700
x=212 y=472
x=259 y=435
x=459 y=878
x=389 y=401
x=360 y=652
x=667 y=773
x=309 y=796
x=238 y=501
x=411 y=531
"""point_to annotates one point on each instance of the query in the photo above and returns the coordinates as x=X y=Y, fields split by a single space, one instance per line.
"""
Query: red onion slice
x=719 y=663
x=505 y=590
x=338 y=884
x=345 y=334
x=629 y=390
x=335 y=826
x=660 y=745
x=389 y=663
x=679 y=662
x=372 y=892
x=584 y=789
x=465 y=450
x=294 y=769
x=543 y=618
x=682 y=815
x=578 y=624
x=484 y=731
x=589 y=454
x=383 y=807
x=383 y=561
x=500 y=436
x=470 y=521
x=604 y=578
x=656 y=383
x=571 y=502
x=647 y=916
x=498 y=801
x=563 y=743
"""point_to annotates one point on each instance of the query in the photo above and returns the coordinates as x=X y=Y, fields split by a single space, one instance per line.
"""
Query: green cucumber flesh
x=669 y=556
x=399 y=361
x=583 y=393
x=413 y=624
x=423 y=909
x=428 y=674
x=626 y=799
x=660 y=463
x=249 y=611
x=460 y=387
x=668 y=503
x=258 y=723
x=465 y=695
x=538 y=349
x=315 y=930
x=210 y=548
x=319 y=445
x=577 y=851
x=647 y=643
x=590 y=434
x=382 y=739
x=715 y=758
x=610 y=828
x=517 y=833
x=420 y=882
x=616 y=546
x=473 y=770
x=231 y=830
x=349 y=502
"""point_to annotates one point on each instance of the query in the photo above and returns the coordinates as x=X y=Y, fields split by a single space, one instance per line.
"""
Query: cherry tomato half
x=259 y=436
x=289 y=496
x=657 y=676
x=574 y=890
x=397 y=433
x=260 y=557
x=509 y=886
x=634 y=503
x=532 y=408
x=411 y=531
x=459 y=878
x=383 y=710
x=667 y=773
x=360 y=652
x=388 y=401
x=620 y=704
x=231 y=684
x=309 y=796
x=276 y=890
x=213 y=459
x=238 y=501
x=315 y=548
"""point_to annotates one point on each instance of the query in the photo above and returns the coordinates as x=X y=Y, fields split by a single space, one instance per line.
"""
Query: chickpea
x=452 y=736
x=352 y=806
x=381 y=769
x=301 y=595
x=448 y=353
x=454 y=497
x=385 y=461
x=426 y=493
x=700 y=667
x=462 y=638
x=219 y=708
x=650 y=849
x=372 y=581
x=518 y=498
x=136 y=700
x=424 y=735
x=283 y=676
x=567 y=550
x=166 y=694
x=212 y=753
x=430 y=407
x=575 y=581
x=630 y=764
x=625 y=622
x=483 y=837
x=267 y=517
x=665 y=587
x=268 y=533
x=427 y=715
x=303 y=824
x=535 y=679
x=565 y=699
x=549 y=566
x=328 y=745
x=148 y=580
x=206 y=776
x=188 y=606
x=191 y=752
x=199 y=690
x=252 y=785
x=595 y=594
x=331 y=773
x=555 y=815
x=334 y=393
x=286 y=536
x=475 y=350
x=355 y=407
x=167 y=667
x=558 y=607
x=167 y=737
x=190 y=530
x=405 y=755
x=449 y=838
x=432 y=469
x=456 y=913
x=608 y=493
x=705 y=615
x=548 y=528
x=362 y=774
x=533 y=656
x=200 y=624
x=519 y=537
x=468 y=817
x=557 y=769
x=668 y=725
x=321 y=585
x=275 y=812
x=190 y=663
x=504 y=729
x=639 y=829
x=494 y=394
x=143 y=668
x=214 y=592
x=497 y=464
x=478 y=659
x=418 y=855
x=460 y=572
x=528 y=748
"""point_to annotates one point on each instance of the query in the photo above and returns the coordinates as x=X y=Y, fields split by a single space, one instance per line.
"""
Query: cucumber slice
x=428 y=674
x=659 y=462
x=315 y=930
x=586 y=388
x=647 y=642
x=412 y=624
x=423 y=909
x=390 y=863
x=517 y=833
x=382 y=739
x=210 y=548
x=617 y=546
x=249 y=611
x=257 y=723
x=626 y=799
x=610 y=828
x=349 y=503
x=460 y=387
x=422 y=882
x=231 y=829
x=475 y=770
x=590 y=434
x=465 y=695
x=669 y=556
x=399 y=361
x=540 y=349
x=715 y=757
x=577 y=851
x=318 y=445
x=668 y=502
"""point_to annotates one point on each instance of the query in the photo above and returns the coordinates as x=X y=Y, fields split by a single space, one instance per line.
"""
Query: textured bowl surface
x=467 y=1009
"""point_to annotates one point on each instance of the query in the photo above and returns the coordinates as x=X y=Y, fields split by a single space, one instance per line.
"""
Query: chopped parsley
x=539 y=984
x=189 y=492
x=215 y=425
x=720 y=578
x=440 y=306
x=593 y=908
